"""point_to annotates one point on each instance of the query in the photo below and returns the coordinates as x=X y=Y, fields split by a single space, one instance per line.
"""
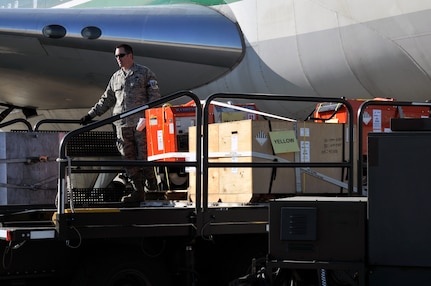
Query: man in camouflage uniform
x=131 y=86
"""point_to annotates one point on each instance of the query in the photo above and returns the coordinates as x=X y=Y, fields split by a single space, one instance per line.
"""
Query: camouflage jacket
x=125 y=91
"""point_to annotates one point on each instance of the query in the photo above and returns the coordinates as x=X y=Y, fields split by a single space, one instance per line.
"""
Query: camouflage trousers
x=132 y=145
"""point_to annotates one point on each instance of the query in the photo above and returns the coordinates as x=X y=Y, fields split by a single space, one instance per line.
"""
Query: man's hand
x=85 y=120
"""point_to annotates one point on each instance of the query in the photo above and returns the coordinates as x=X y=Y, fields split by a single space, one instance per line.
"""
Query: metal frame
x=268 y=97
x=65 y=161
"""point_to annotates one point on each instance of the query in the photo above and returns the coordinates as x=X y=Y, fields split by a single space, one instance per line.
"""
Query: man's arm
x=106 y=101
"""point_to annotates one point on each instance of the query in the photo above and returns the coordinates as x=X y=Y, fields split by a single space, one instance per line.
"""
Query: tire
x=124 y=269
x=128 y=275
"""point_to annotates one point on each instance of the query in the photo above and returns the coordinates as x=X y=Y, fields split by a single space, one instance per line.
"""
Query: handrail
x=360 y=117
x=64 y=161
x=201 y=163
x=47 y=121
x=271 y=97
x=17 y=120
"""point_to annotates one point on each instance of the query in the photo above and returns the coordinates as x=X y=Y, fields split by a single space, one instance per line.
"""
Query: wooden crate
x=213 y=177
x=249 y=141
x=243 y=141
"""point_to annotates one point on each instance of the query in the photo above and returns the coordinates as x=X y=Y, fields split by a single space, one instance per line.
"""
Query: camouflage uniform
x=127 y=90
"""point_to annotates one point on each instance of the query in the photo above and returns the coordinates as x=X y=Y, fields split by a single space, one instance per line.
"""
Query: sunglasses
x=120 y=55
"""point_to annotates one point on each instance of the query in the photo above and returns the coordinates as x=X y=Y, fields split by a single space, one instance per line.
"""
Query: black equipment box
x=318 y=228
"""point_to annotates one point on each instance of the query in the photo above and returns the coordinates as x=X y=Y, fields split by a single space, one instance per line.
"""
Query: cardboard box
x=227 y=114
x=250 y=141
x=321 y=142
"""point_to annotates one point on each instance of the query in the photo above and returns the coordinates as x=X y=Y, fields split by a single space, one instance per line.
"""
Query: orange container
x=376 y=118
x=167 y=131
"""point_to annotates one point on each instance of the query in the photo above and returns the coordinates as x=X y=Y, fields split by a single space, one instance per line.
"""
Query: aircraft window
x=91 y=32
x=54 y=31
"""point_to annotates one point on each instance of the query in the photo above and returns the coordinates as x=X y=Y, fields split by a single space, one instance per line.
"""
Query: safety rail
x=200 y=161
x=65 y=162
x=17 y=120
x=56 y=121
x=270 y=97
x=361 y=111
x=37 y=125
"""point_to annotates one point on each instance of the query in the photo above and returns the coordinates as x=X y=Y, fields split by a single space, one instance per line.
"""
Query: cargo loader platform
x=170 y=219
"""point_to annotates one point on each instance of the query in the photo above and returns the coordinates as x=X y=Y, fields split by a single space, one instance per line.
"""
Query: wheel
x=124 y=274
x=128 y=275
x=121 y=269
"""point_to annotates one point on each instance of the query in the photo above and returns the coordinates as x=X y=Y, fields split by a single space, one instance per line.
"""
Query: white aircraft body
x=59 y=60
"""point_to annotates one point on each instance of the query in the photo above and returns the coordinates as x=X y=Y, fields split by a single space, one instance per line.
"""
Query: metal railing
x=65 y=162
x=17 y=120
x=38 y=124
x=201 y=162
x=206 y=164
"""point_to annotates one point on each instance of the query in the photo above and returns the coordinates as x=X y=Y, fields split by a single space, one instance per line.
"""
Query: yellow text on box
x=284 y=141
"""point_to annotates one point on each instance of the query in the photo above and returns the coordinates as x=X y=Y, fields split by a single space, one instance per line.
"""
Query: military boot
x=135 y=196
x=138 y=194
x=152 y=185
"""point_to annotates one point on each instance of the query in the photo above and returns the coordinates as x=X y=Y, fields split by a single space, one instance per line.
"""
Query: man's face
x=124 y=60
